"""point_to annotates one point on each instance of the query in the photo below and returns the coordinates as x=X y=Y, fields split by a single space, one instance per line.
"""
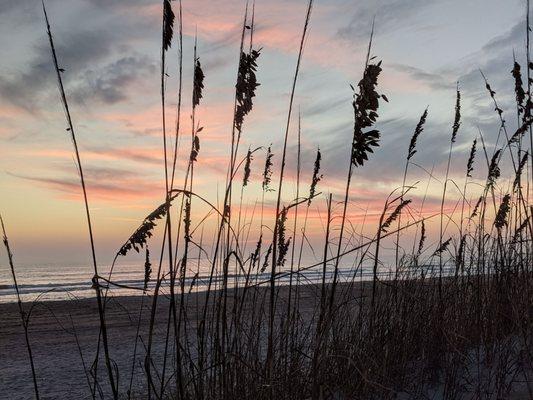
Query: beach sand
x=60 y=371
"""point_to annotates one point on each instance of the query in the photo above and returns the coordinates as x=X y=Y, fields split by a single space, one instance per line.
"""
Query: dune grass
x=453 y=320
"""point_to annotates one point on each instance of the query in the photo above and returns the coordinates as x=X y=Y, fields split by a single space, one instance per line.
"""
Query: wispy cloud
x=389 y=14
x=103 y=184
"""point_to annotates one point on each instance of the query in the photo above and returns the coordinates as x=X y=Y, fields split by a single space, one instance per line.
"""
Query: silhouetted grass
x=453 y=319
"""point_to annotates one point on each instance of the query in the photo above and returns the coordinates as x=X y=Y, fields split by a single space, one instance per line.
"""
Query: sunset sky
x=110 y=50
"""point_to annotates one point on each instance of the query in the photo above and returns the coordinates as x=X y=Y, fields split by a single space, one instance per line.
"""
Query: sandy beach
x=60 y=370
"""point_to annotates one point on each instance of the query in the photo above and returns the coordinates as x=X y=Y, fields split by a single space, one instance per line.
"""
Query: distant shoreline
x=59 y=291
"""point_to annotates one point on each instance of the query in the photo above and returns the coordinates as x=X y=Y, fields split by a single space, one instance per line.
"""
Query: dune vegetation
x=451 y=319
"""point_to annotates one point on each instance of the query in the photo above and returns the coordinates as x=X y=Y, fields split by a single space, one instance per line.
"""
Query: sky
x=110 y=50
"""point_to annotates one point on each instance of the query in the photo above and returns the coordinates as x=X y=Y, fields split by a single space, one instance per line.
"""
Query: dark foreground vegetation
x=453 y=321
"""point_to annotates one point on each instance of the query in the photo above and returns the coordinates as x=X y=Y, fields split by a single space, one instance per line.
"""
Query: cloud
x=27 y=88
x=324 y=106
x=390 y=15
x=507 y=40
x=114 y=3
x=111 y=83
x=100 y=49
x=20 y=7
x=150 y=156
x=103 y=184
x=433 y=80
x=144 y=155
x=385 y=167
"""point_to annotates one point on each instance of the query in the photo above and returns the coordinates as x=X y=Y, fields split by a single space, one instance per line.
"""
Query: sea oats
x=267 y=172
x=442 y=248
x=365 y=105
x=246 y=85
x=394 y=215
x=457 y=118
x=168 y=24
x=470 y=163
x=520 y=95
x=418 y=130
x=139 y=238
x=494 y=169
x=422 y=239
x=476 y=207
x=247 y=171
x=501 y=216
x=316 y=176
x=198 y=83
x=519 y=170
x=147 y=269
x=267 y=258
x=283 y=243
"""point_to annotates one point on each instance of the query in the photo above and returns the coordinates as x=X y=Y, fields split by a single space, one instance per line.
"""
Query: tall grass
x=451 y=319
x=24 y=318
x=70 y=128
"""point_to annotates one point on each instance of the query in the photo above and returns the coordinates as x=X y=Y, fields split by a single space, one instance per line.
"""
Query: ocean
x=61 y=282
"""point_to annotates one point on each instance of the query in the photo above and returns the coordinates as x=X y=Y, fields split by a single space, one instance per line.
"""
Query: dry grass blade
x=519 y=89
x=394 y=215
x=476 y=207
x=501 y=216
x=195 y=148
x=470 y=163
x=246 y=85
x=519 y=170
x=519 y=133
x=422 y=239
x=316 y=176
x=518 y=232
x=267 y=172
x=23 y=317
x=457 y=118
x=168 y=24
x=494 y=169
x=442 y=248
x=267 y=258
x=283 y=243
x=147 y=269
x=247 y=170
x=139 y=238
x=365 y=105
x=198 y=82
x=418 y=130
x=70 y=128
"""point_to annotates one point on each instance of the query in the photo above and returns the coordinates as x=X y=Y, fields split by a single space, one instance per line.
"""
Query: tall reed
x=70 y=128
x=24 y=319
